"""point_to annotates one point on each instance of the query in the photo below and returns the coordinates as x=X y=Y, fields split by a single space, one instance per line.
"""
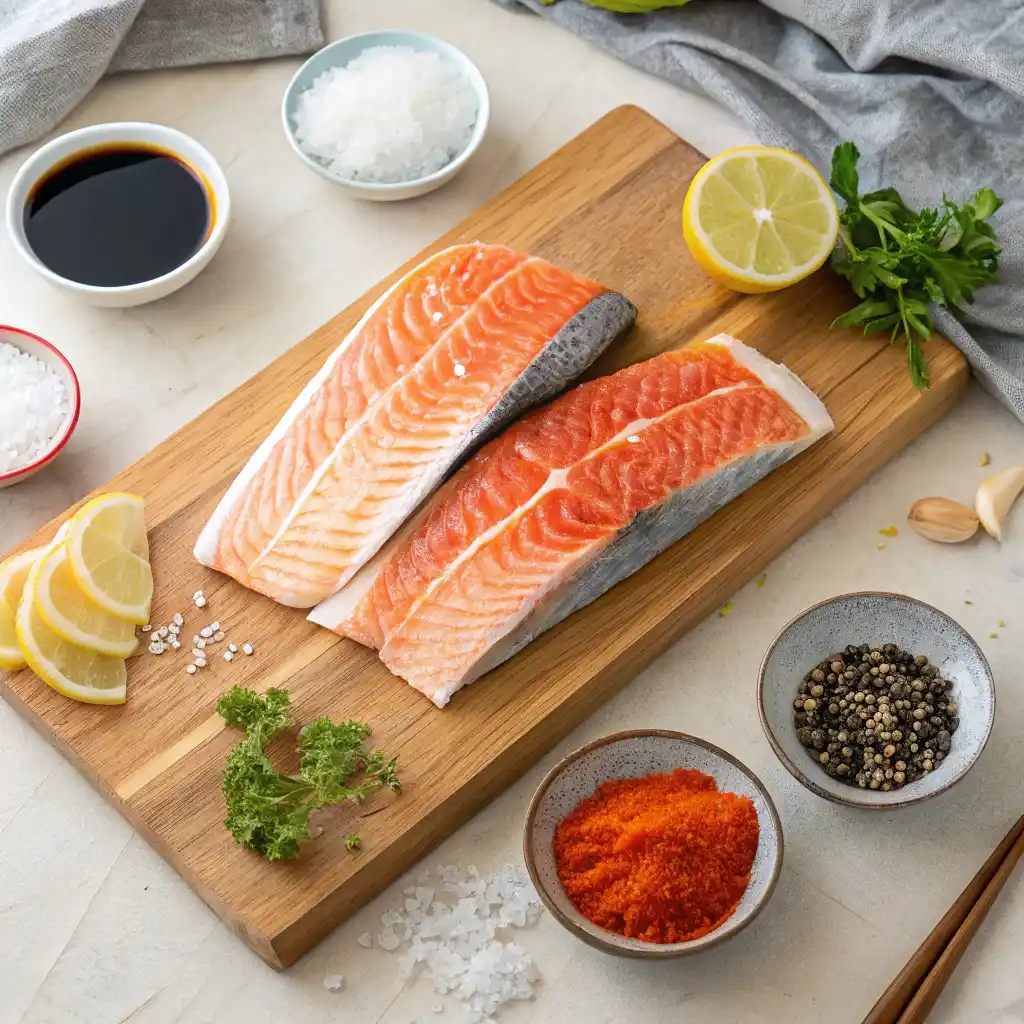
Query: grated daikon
x=33 y=407
x=393 y=114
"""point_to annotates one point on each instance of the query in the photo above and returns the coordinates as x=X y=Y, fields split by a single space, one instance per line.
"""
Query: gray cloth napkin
x=932 y=91
x=52 y=52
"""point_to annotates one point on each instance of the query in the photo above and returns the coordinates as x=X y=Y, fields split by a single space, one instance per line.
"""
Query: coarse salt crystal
x=228 y=655
x=177 y=619
x=218 y=636
x=33 y=410
x=459 y=946
x=334 y=982
x=190 y=669
x=393 y=114
x=247 y=649
x=206 y=632
x=365 y=940
x=232 y=648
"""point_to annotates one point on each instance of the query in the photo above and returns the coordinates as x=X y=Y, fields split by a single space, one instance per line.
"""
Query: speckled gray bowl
x=629 y=755
x=875 y=618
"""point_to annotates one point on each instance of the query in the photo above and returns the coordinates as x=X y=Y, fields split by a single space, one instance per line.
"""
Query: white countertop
x=96 y=928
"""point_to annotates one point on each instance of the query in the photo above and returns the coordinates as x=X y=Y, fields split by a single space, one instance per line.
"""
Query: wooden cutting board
x=606 y=205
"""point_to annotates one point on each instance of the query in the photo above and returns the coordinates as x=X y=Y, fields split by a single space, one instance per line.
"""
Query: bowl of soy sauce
x=119 y=214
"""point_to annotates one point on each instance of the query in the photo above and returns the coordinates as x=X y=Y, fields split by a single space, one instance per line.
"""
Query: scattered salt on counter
x=452 y=928
x=33 y=407
x=393 y=114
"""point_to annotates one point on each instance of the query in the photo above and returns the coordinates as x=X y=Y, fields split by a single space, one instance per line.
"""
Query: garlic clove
x=943 y=520
x=996 y=496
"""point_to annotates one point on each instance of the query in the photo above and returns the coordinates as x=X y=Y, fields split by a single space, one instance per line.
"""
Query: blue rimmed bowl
x=343 y=52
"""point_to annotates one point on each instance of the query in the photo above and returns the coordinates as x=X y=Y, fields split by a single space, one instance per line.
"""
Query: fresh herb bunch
x=898 y=260
x=269 y=812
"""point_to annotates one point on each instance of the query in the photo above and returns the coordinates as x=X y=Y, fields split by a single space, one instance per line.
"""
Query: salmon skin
x=568 y=502
x=443 y=360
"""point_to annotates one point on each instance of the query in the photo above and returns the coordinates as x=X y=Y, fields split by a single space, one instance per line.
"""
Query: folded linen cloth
x=932 y=92
x=52 y=52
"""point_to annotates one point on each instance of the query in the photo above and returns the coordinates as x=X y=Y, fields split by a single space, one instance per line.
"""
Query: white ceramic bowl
x=65 y=146
x=45 y=352
x=876 y=618
x=341 y=53
x=629 y=755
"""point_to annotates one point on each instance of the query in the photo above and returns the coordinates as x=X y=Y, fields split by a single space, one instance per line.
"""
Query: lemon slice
x=71 y=670
x=758 y=219
x=109 y=555
x=66 y=609
x=13 y=573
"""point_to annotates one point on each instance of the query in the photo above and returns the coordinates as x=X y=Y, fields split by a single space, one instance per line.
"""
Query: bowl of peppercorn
x=876 y=700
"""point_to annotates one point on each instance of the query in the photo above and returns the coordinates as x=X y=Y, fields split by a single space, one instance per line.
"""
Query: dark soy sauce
x=118 y=215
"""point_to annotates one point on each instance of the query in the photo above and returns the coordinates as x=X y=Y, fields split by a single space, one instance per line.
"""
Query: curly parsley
x=269 y=812
x=899 y=260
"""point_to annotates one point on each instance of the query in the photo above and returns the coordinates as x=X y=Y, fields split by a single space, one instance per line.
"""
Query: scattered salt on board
x=33 y=407
x=393 y=114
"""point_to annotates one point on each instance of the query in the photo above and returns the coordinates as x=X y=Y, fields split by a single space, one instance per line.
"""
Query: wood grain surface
x=607 y=205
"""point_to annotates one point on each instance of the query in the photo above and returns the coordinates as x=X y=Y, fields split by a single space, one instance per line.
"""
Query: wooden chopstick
x=915 y=989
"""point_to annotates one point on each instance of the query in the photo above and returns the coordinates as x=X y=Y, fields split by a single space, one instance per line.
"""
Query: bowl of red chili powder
x=653 y=844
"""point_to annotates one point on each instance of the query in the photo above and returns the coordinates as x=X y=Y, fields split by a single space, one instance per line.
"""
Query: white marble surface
x=95 y=928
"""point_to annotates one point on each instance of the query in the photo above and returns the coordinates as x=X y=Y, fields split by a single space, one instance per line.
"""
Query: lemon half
x=71 y=670
x=108 y=552
x=758 y=219
x=13 y=573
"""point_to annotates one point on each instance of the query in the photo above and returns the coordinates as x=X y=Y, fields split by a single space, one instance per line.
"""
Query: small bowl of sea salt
x=39 y=404
x=387 y=115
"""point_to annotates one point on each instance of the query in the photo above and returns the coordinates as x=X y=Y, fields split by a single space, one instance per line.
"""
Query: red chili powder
x=664 y=858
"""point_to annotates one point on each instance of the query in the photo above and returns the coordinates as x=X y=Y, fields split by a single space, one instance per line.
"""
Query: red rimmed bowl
x=57 y=361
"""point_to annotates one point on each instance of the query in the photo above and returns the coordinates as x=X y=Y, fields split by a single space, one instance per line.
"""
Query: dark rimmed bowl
x=628 y=755
x=876 y=618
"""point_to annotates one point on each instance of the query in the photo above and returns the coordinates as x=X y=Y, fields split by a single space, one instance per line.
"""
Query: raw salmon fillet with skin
x=451 y=353
x=568 y=502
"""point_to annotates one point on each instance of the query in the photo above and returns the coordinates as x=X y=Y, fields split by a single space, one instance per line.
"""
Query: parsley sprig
x=269 y=812
x=898 y=260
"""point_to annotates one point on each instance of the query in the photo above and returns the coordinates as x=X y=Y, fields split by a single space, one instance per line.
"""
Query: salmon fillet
x=451 y=353
x=568 y=502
